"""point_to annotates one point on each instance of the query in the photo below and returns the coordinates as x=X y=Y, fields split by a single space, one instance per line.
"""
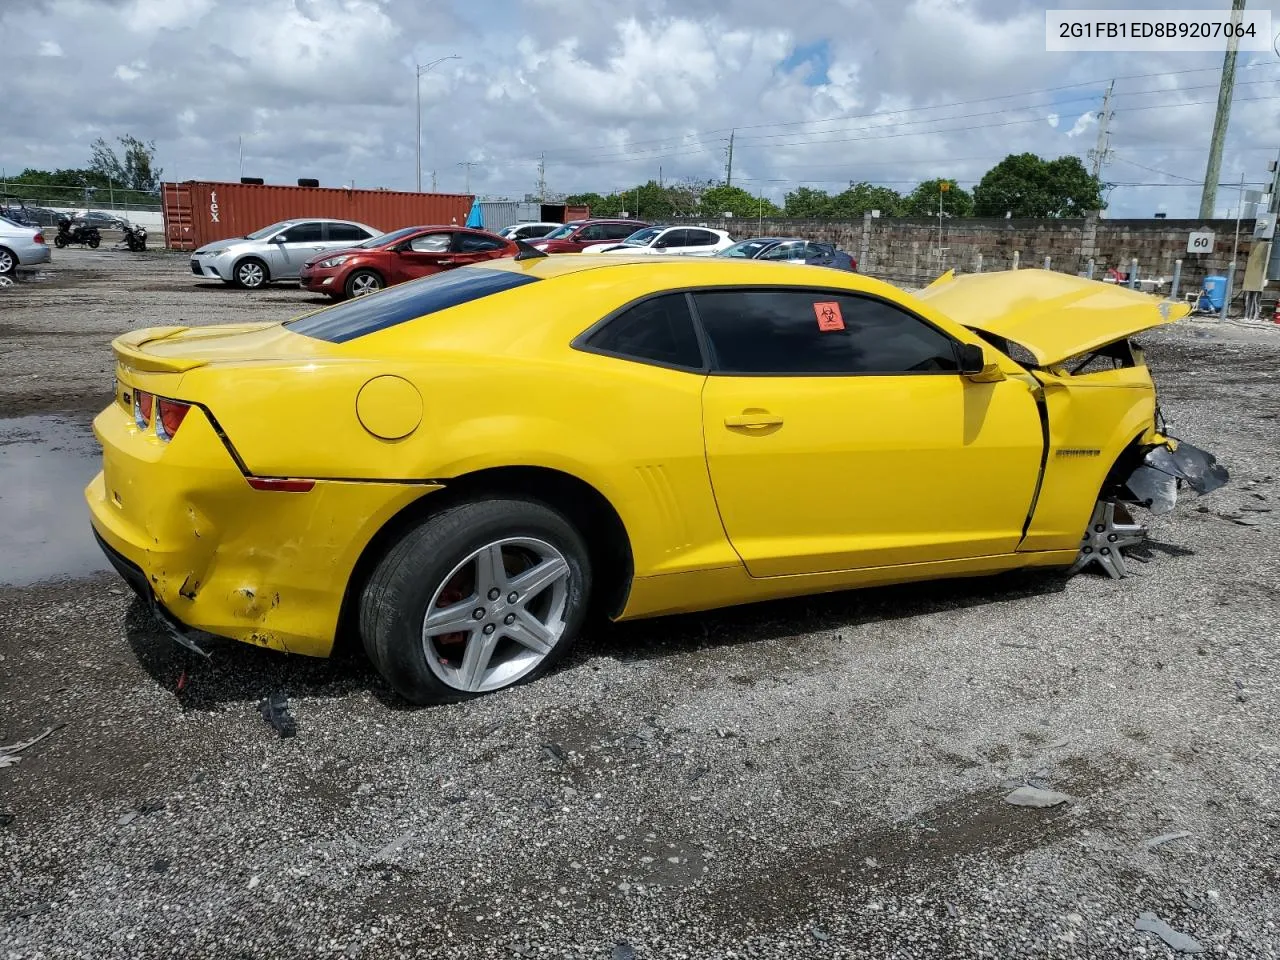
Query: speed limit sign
x=1200 y=242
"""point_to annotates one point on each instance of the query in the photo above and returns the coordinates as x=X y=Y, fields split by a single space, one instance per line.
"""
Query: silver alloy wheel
x=1102 y=542
x=365 y=283
x=497 y=615
x=6 y=261
x=250 y=275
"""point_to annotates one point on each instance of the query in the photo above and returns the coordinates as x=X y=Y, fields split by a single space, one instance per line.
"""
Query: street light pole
x=421 y=69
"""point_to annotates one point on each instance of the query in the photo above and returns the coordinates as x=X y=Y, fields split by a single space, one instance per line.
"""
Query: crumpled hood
x=1054 y=315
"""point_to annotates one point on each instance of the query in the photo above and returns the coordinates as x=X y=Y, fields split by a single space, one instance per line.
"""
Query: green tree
x=806 y=202
x=735 y=200
x=1025 y=185
x=862 y=197
x=134 y=170
x=923 y=200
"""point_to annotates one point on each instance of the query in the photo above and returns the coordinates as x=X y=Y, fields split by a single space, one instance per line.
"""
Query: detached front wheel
x=480 y=597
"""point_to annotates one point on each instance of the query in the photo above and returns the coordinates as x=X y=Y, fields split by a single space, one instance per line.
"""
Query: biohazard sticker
x=828 y=314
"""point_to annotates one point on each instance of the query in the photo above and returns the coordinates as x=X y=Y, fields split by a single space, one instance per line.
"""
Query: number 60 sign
x=1200 y=242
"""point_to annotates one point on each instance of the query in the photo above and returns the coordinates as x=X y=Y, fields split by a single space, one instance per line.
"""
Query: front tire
x=59 y=241
x=250 y=274
x=363 y=282
x=482 y=596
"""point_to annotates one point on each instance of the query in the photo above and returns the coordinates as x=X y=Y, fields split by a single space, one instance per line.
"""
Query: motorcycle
x=135 y=237
x=76 y=231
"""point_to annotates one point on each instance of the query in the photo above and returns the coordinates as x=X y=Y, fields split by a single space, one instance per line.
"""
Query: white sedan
x=691 y=241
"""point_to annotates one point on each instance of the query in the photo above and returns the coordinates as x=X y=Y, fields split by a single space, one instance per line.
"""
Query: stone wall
x=907 y=250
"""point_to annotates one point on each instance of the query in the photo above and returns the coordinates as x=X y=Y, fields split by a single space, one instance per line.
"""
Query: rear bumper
x=181 y=525
x=31 y=254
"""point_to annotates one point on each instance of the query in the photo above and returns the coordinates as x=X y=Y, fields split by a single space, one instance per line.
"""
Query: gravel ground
x=823 y=778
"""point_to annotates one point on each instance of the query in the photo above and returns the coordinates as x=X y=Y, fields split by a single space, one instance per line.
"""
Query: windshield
x=559 y=233
x=386 y=238
x=642 y=238
x=267 y=231
x=747 y=249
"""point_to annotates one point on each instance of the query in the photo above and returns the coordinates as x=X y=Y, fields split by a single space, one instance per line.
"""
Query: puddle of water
x=45 y=463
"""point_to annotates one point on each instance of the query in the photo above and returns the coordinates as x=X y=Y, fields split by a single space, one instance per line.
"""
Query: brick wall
x=905 y=250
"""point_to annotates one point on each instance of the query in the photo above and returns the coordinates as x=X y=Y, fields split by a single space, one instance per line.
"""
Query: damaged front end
x=1164 y=467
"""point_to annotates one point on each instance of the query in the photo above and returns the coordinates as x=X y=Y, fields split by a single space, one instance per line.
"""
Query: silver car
x=21 y=247
x=276 y=252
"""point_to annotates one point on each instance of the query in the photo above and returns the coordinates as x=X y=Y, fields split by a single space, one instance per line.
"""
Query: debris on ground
x=9 y=755
x=553 y=751
x=275 y=711
x=1036 y=797
x=624 y=951
x=6 y=819
x=1165 y=838
x=1150 y=923
x=144 y=810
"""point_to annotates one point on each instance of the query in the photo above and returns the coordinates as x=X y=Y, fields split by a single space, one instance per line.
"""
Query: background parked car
x=276 y=252
x=576 y=234
x=21 y=246
x=528 y=231
x=790 y=250
x=399 y=256
x=692 y=241
x=102 y=220
x=29 y=215
x=19 y=215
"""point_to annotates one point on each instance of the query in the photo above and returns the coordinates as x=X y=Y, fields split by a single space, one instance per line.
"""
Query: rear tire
x=93 y=242
x=59 y=241
x=363 y=282
x=250 y=274
x=8 y=262
x=448 y=562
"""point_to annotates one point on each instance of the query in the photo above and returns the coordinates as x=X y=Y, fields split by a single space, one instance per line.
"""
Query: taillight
x=142 y=409
x=169 y=414
x=38 y=238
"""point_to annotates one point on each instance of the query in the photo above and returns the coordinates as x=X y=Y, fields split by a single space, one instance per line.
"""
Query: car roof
x=683 y=271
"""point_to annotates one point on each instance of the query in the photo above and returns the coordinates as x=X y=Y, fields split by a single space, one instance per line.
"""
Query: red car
x=398 y=256
x=576 y=234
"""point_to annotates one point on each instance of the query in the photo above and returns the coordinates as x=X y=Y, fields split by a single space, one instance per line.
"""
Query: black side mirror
x=971 y=359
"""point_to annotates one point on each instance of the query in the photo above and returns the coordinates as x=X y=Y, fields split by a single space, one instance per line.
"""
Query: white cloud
x=1083 y=123
x=50 y=48
x=130 y=72
x=1052 y=120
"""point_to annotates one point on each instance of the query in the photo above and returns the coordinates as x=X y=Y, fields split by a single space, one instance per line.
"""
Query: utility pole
x=467 y=164
x=542 y=177
x=1101 y=151
x=728 y=173
x=1226 y=87
x=423 y=68
x=659 y=176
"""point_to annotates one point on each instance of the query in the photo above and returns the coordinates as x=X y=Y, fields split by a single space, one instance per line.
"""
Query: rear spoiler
x=127 y=349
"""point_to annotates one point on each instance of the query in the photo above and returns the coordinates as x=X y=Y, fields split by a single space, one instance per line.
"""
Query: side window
x=699 y=238
x=305 y=233
x=659 y=330
x=804 y=332
x=591 y=233
x=474 y=243
x=431 y=243
x=618 y=231
x=346 y=232
x=789 y=250
x=673 y=238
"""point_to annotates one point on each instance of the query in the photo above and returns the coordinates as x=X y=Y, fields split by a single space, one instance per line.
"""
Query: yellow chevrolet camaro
x=460 y=469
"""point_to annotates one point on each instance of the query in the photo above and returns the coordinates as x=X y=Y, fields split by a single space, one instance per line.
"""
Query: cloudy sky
x=820 y=92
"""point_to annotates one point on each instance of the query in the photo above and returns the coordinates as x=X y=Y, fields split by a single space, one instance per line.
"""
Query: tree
x=1025 y=185
x=135 y=171
x=806 y=202
x=923 y=200
x=735 y=200
x=862 y=197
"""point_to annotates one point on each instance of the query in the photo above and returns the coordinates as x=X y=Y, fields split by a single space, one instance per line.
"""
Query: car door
x=340 y=236
x=698 y=242
x=670 y=241
x=290 y=248
x=591 y=233
x=421 y=256
x=840 y=435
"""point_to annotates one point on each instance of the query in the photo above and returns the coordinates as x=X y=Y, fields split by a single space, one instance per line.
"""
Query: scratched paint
x=45 y=462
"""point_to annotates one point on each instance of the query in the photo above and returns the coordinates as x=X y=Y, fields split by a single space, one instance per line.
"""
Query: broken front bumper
x=1168 y=466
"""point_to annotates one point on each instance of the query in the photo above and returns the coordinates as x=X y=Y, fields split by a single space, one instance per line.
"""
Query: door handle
x=761 y=419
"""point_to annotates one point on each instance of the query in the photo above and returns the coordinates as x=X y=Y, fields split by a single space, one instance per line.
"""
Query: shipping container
x=197 y=212
x=503 y=213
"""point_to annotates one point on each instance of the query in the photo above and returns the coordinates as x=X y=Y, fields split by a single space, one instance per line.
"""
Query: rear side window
x=658 y=330
x=618 y=231
x=345 y=232
x=699 y=238
x=474 y=243
x=364 y=315
x=810 y=332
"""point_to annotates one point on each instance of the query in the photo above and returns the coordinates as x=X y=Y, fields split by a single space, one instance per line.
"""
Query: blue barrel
x=1215 y=289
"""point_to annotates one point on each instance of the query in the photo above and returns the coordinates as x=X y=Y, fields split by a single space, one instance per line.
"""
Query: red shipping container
x=197 y=212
